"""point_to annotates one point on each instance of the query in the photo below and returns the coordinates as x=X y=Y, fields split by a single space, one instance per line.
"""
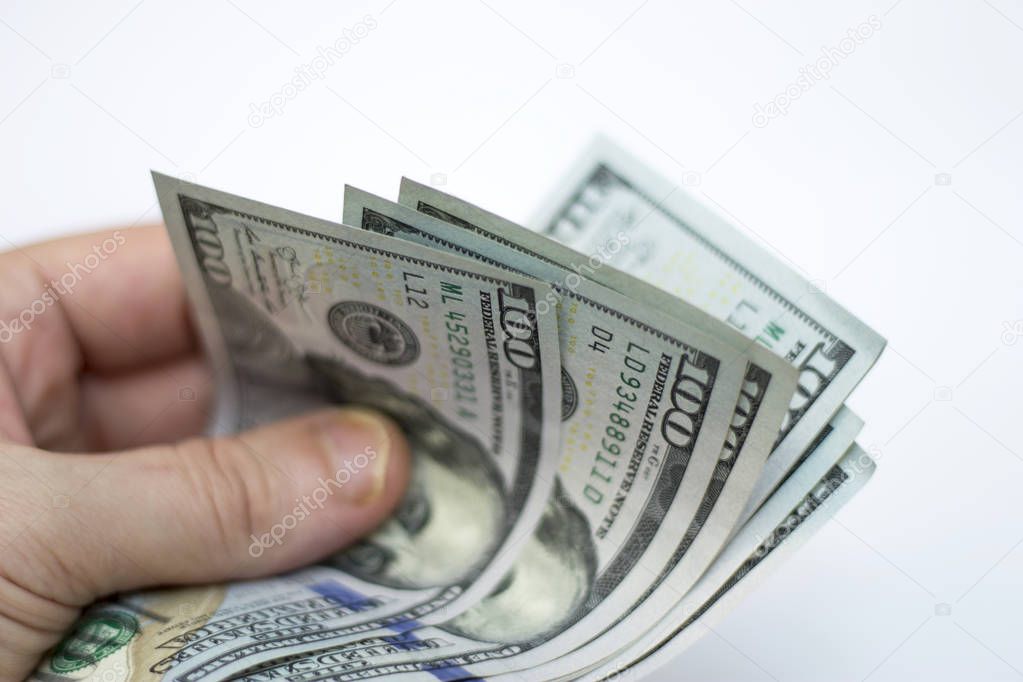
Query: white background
x=843 y=187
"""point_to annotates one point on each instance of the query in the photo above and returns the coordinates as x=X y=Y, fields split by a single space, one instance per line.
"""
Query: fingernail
x=359 y=446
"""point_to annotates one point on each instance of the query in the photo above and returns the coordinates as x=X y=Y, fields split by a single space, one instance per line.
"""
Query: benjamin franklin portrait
x=453 y=516
x=547 y=585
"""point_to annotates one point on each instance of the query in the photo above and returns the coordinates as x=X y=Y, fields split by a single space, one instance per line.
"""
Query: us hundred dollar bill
x=611 y=652
x=679 y=244
x=647 y=408
x=769 y=383
x=455 y=351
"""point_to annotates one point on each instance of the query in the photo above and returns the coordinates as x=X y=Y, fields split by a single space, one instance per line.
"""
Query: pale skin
x=105 y=484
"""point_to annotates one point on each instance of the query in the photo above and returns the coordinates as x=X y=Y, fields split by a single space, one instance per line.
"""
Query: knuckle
x=230 y=485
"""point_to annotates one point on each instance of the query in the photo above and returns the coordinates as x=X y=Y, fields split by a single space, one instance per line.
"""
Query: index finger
x=114 y=299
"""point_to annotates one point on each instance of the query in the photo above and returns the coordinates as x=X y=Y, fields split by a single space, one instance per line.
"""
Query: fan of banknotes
x=620 y=421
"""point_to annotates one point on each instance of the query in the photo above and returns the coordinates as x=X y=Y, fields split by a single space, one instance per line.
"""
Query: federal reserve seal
x=373 y=332
x=96 y=636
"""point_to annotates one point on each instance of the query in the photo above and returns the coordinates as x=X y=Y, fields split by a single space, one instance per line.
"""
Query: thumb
x=205 y=510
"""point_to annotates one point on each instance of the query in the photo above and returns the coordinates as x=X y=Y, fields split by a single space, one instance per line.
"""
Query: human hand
x=97 y=358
